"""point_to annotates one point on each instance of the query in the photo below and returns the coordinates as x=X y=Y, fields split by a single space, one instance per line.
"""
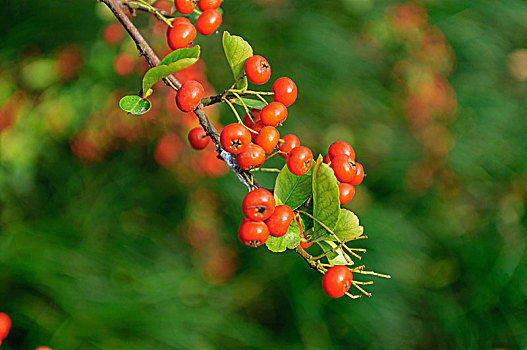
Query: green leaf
x=289 y=241
x=305 y=220
x=172 y=63
x=338 y=257
x=326 y=204
x=348 y=226
x=237 y=51
x=293 y=190
x=249 y=102
x=135 y=105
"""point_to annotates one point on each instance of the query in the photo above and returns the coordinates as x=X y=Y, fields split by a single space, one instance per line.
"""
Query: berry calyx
x=235 y=138
x=252 y=157
x=185 y=7
x=255 y=116
x=337 y=281
x=359 y=174
x=343 y=167
x=258 y=205
x=267 y=138
x=346 y=193
x=273 y=114
x=299 y=160
x=285 y=91
x=288 y=143
x=208 y=22
x=253 y=233
x=279 y=222
x=257 y=69
x=205 y=5
x=338 y=148
x=5 y=325
x=198 y=138
x=189 y=95
x=180 y=35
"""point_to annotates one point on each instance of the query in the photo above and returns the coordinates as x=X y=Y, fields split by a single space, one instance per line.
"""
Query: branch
x=145 y=50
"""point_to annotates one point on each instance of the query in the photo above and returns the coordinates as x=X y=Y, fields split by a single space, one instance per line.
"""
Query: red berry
x=5 y=325
x=189 y=95
x=255 y=116
x=258 y=205
x=185 y=7
x=252 y=157
x=299 y=160
x=180 y=35
x=284 y=91
x=257 y=69
x=337 y=281
x=306 y=245
x=113 y=33
x=267 y=138
x=341 y=147
x=124 y=64
x=204 y=5
x=258 y=126
x=346 y=193
x=235 y=138
x=273 y=114
x=253 y=233
x=198 y=138
x=288 y=143
x=327 y=160
x=179 y=20
x=359 y=174
x=343 y=168
x=280 y=221
x=208 y=22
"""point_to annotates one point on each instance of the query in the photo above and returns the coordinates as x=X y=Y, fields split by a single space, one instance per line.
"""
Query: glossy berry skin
x=253 y=233
x=257 y=69
x=205 y=5
x=258 y=205
x=299 y=160
x=235 y=138
x=5 y=325
x=189 y=95
x=255 y=116
x=179 y=20
x=337 y=281
x=343 y=168
x=185 y=7
x=346 y=193
x=180 y=35
x=279 y=222
x=252 y=157
x=285 y=91
x=268 y=138
x=273 y=114
x=258 y=126
x=208 y=22
x=359 y=174
x=341 y=147
x=290 y=142
x=198 y=138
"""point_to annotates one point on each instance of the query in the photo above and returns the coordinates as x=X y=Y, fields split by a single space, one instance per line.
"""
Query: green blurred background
x=114 y=234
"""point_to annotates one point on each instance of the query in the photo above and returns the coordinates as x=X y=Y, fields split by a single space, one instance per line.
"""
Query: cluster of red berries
x=183 y=32
x=263 y=218
x=341 y=158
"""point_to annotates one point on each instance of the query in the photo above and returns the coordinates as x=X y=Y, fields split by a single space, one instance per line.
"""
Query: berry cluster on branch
x=305 y=205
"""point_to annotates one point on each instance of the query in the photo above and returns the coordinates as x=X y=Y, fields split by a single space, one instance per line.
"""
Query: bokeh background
x=115 y=234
